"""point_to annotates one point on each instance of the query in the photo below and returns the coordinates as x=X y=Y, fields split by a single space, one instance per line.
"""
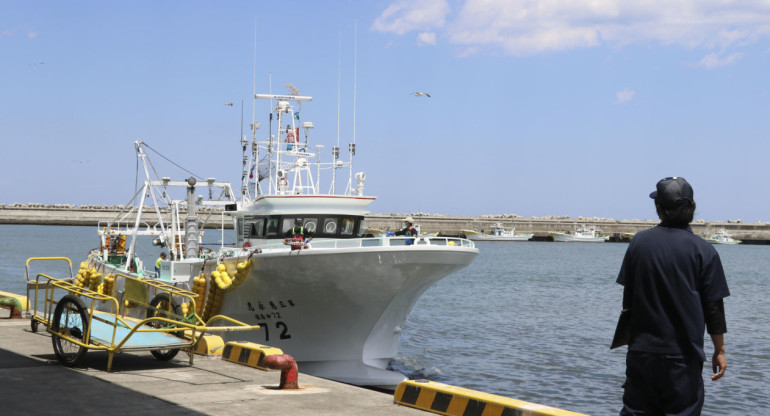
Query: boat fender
x=214 y=298
x=226 y=280
x=241 y=271
x=199 y=288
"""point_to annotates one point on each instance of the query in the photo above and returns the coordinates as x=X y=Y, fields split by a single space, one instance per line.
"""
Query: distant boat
x=721 y=237
x=585 y=234
x=496 y=233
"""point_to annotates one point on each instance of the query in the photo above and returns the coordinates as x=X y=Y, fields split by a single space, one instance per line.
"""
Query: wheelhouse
x=267 y=227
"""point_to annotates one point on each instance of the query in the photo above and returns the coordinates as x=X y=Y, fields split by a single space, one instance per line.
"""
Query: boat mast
x=336 y=149
x=279 y=182
x=352 y=146
x=246 y=168
x=191 y=222
x=246 y=180
x=145 y=190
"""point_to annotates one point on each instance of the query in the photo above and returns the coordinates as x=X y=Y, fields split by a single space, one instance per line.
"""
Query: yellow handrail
x=28 y=280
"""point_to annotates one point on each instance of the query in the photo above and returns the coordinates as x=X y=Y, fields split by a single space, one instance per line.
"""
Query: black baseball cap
x=673 y=192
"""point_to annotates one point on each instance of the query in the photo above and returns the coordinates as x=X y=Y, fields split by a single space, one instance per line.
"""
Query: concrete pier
x=34 y=383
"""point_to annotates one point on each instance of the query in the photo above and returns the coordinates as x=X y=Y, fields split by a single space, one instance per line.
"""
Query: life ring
x=246 y=245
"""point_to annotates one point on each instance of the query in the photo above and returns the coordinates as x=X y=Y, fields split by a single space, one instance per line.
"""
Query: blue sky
x=573 y=107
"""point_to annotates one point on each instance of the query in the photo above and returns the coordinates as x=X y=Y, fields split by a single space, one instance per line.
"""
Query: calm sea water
x=527 y=320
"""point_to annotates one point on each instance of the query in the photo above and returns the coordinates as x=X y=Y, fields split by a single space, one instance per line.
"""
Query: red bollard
x=13 y=304
x=288 y=367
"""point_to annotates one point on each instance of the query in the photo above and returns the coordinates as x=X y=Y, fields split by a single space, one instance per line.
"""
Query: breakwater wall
x=756 y=233
x=38 y=214
x=93 y=215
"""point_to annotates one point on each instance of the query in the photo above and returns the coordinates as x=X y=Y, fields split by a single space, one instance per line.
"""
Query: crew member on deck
x=408 y=231
x=290 y=139
x=157 y=262
x=298 y=236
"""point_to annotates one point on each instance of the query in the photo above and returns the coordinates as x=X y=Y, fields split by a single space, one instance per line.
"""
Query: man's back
x=670 y=273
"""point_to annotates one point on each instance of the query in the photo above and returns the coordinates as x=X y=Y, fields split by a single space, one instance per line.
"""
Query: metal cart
x=80 y=319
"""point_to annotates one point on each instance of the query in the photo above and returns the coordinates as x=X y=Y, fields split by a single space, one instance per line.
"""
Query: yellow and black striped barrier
x=248 y=353
x=450 y=400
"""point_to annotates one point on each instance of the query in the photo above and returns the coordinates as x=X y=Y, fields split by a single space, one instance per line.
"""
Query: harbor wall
x=93 y=215
x=757 y=233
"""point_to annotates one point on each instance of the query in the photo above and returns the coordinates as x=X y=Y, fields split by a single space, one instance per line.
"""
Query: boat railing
x=128 y=228
x=384 y=241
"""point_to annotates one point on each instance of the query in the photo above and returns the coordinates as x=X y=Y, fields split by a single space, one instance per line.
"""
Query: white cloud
x=426 y=38
x=409 y=15
x=624 y=96
x=713 y=60
x=526 y=27
x=32 y=35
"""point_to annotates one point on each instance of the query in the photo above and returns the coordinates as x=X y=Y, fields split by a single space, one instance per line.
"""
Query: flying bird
x=421 y=94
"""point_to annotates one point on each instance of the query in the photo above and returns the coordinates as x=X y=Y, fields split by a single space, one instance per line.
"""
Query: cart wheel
x=69 y=319
x=160 y=307
x=33 y=324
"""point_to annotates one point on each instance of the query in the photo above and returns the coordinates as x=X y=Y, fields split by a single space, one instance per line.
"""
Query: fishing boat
x=496 y=233
x=335 y=301
x=583 y=233
x=721 y=237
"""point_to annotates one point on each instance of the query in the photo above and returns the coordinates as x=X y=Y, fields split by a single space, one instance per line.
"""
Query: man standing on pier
x=674 y=287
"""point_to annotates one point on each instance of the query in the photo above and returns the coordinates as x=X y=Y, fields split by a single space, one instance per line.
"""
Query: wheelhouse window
x=308 y=223
x=258 y=228
x=330 y=226
x=253 y=227
x=272 y=227
x=348 y=225
x=319 y=225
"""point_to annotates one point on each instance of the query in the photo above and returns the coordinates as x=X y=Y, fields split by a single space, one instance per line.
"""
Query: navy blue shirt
x=668 y=275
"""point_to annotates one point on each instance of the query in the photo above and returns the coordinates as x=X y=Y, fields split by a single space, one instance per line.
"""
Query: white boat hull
x=727 y=242
x=487 y=237
x=496 y=233
x=572 y=238
x=339 y=312
x=721 y=237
